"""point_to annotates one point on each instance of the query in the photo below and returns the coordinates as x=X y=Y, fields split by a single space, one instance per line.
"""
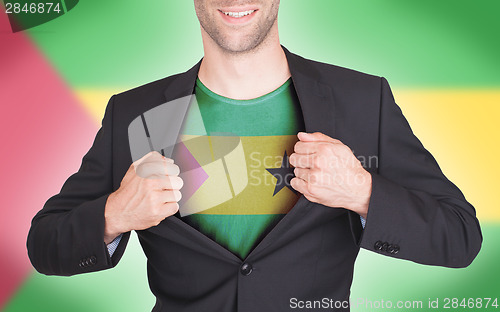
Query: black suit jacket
x=415 y=212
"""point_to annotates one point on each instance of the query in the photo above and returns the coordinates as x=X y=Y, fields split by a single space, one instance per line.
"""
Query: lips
x=237 y=15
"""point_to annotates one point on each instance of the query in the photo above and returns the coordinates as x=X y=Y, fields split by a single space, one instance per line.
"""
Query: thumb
x=316 y=137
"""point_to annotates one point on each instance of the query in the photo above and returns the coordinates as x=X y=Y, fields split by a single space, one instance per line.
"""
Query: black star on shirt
x=283 y=174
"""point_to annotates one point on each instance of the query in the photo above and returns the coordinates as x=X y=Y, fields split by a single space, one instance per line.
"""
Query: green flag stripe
x=238 y=233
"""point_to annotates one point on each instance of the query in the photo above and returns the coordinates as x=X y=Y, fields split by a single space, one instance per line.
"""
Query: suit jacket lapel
x=183 y=84
x=316 y=98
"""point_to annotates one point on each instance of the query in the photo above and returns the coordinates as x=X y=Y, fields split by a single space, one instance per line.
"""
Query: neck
x=245 y=75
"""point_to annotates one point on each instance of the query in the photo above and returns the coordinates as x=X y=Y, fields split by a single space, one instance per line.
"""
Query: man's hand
x=328 y=173
x=148 y=193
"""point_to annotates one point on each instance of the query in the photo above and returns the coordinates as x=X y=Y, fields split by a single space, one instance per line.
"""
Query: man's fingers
x=171 y=208
x=157 y=169
x=302 y=147
x=171 y=196
x=316 y=137
x=301 y=186
x=311 y=147
x=311 y=176
x=165 y=183
x=172 y=183
x=302 y=161
x=171 y=169
x=302 y=173
x=169 y=160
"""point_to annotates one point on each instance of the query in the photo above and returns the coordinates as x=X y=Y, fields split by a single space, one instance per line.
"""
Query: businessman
x=268 y=242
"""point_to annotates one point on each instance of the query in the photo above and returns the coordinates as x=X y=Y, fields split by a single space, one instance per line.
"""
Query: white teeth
x=239 y=14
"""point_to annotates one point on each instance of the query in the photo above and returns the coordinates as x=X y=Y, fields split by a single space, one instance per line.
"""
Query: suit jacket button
x=396 y=249
x=390 y=248
x=81 y=264
x=93 y=260
x=384 y=246
x=378 y=245
x=246 y=269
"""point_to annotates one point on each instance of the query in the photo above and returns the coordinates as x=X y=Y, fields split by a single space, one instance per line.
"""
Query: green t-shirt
x=240 y=188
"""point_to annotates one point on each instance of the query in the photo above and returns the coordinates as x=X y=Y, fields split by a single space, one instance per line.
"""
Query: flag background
x=440 y=57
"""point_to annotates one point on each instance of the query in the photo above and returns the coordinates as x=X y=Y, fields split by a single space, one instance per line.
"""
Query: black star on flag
x=284 y=175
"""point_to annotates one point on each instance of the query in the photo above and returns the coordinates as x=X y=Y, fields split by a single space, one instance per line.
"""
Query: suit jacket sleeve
x=415 y=212
x=67 y=236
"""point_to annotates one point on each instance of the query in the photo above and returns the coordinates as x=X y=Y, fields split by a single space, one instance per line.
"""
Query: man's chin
x=239 y=46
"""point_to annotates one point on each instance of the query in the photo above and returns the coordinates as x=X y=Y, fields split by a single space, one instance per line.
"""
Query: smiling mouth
x=238 y=14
